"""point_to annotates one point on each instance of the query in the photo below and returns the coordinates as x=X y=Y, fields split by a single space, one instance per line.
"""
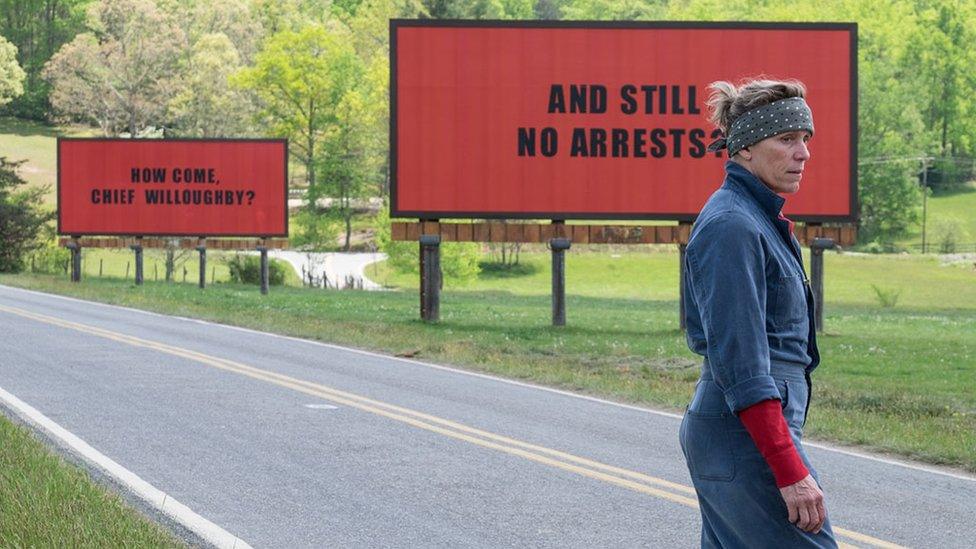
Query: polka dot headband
x=778 y=117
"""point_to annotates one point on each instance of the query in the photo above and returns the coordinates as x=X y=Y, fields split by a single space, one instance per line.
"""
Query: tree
x=370 y=30
x=306 y=81
x=941 y=56
x=616 y=9
x=11 y=75
x=21 y=217
x=235 y=19
x=296 y=81
x=206 y=104
x=38 y=28
x=480 y=9
x=120 y=74
x=353 y=166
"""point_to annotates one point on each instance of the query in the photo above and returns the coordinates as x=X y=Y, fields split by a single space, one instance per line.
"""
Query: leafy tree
x=941 y=55
x=11 y=75
x=38 y=28
x=353 y=165
x=120 y=74
x=299 y=78
x=207 y=105
x=369 y=26
x=235 y=19
x=21 y=217
x=616 y=10
x=314 y=230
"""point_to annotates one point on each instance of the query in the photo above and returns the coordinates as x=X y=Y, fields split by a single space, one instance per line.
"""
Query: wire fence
x=941 y=247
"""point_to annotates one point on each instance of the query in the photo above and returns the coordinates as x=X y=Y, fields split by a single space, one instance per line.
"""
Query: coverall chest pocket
x=787 y=305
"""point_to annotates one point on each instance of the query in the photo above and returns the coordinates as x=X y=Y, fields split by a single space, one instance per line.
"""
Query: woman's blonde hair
x=726 y=102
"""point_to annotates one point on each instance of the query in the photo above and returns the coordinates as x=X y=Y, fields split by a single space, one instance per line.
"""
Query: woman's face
x=778 y=160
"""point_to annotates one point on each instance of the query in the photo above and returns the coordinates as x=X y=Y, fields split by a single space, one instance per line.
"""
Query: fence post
x=817 y=248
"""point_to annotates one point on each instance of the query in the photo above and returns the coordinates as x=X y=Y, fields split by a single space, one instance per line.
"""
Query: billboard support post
x=817 y=248
x=75 y=246
x=430 y=277
x=263 y=248
x=137 y=248
x=559 y=247
x=202 y=248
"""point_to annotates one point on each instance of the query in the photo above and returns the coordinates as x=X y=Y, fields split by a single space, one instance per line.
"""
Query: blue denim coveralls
x=750 y=314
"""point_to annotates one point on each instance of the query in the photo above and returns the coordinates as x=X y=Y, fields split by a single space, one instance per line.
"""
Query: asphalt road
x=289 y=443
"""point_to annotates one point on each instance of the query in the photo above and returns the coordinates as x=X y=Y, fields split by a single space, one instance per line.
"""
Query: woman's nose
x=802 y=152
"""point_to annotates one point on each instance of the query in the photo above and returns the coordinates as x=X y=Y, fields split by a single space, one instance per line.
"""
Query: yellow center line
x=624 y=478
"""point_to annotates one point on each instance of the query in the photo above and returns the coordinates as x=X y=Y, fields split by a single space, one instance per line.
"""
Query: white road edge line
x=150 y=494
x=818 y=445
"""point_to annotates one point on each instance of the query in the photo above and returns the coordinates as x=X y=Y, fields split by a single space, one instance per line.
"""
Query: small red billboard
x=173 y=187
x=593 y=120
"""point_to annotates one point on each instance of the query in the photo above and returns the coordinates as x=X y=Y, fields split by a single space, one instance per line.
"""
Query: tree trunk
x=310 y=161
x=348 y=229
x=346 y=212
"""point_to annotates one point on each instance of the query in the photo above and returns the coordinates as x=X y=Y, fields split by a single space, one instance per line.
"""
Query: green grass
x=37 y=144
x=958 y=205
x=923 y=282
x=45 y=502
x=899 y=379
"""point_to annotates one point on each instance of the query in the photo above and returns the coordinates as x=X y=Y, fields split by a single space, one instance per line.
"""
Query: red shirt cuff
x=766 y=425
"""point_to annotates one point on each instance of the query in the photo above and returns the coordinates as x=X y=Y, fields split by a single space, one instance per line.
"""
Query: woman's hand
x=805 y=503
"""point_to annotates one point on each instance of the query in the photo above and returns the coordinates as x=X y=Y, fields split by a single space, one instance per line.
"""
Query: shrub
x=887 y=297
x=459 y=260
x=50 y=258
x=948 y=234
x=246 y=269
x=494 y=269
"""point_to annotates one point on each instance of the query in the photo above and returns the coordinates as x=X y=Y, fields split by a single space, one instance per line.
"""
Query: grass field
x=900 y=379
x=957 y=205
x=37 y=144
x=45 y=502
x=922 y=282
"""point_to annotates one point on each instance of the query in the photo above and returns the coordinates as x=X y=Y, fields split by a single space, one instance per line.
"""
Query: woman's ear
x=745 y=153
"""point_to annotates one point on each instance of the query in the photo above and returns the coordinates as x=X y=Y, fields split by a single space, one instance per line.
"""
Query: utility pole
x=925 y=196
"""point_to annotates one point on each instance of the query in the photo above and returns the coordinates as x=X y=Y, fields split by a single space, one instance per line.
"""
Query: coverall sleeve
x=726 y=264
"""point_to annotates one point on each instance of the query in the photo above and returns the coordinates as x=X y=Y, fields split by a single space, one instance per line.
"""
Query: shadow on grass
x=32 y=128
x=948 y=192
x=26 y=128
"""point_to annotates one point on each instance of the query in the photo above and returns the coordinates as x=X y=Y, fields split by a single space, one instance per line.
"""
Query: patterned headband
x=778 y=117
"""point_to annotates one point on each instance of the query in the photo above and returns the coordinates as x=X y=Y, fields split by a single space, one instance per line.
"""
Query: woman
x=750 y=314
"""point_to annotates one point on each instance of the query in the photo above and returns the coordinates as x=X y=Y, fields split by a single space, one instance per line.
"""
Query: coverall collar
x=736 y=176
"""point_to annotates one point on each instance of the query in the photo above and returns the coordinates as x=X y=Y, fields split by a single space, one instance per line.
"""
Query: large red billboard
x=173 y=187
x=589 y=120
